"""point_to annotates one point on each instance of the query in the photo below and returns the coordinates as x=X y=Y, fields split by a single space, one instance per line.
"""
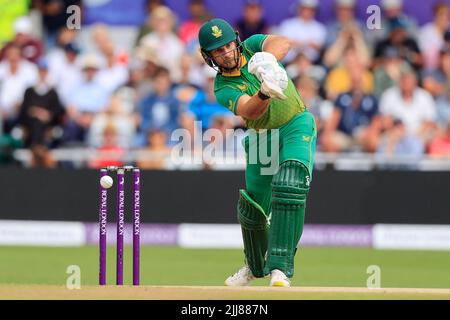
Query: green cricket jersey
x=229 y=87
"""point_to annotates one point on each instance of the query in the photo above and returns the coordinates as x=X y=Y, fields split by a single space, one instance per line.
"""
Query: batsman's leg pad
x=290 y=187
x=254 y=226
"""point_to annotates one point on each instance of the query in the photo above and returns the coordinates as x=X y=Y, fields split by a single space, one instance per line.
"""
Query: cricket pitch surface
x=54 y=292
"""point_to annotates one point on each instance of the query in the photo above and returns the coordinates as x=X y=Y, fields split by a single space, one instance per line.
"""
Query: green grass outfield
x=173 y=266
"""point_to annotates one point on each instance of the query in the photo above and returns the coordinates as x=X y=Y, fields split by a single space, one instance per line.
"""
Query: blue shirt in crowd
x=205 y=110
x=159 y=112
x=354 y=117
x=89 y=96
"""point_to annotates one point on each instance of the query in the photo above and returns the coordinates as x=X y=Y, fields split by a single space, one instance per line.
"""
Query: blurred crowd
x=384 y=91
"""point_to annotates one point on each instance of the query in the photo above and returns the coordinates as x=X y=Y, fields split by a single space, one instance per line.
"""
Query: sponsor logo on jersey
x=243 y=87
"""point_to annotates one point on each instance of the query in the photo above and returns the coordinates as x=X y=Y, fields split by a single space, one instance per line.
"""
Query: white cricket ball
x=106 y=182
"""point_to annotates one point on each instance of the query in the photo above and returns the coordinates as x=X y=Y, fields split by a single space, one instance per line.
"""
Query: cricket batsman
x=253 y=84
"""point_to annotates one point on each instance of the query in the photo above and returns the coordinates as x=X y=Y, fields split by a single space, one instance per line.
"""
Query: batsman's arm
x=277 y=45
x=251 y=107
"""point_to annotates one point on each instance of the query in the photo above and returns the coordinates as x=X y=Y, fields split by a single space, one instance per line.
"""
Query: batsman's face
x=226 y=56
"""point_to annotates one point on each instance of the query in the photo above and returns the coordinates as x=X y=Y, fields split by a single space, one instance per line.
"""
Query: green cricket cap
x=215 y=33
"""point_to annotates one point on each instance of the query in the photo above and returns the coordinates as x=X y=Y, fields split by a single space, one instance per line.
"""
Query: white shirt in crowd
x=13 y=86
x=169 y=51
x=123 y=123
x=412 y=114
x=112 y=78
x=65 y=75
x=304 y=31
x=430 y=41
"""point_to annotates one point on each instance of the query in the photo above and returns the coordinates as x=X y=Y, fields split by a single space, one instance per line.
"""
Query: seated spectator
x=252 y=21
x=349 y=36
x=102 y=43
x=399 y=39
x=16 y=75
x=85 y=101
x=396 y=142
x=31 y=47
x=66 y=42
x=309 y=91
x=345 y=17
x=41 y=109
x=431 y=35
x=156 y=154
x=302 y=65
x=188 y=31
x=354 y=121
x=166 y=44
x=148 y=56
x=146 y=28
x=202 y=104
x=192 y=71
x=117 y=114
x=387 y=73
x=115 y=72
x=100 y=37
x=134 y=89
x=305 y=32
x=161 y=109
x=412 y=105
x=392 y=9
x=437 y=81
x=109 y=153
x=440 y=146
x=65 y=71
x=339 y=79
x=219 y=144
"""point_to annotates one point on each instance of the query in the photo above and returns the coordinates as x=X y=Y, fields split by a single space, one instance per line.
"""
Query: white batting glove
x=262 y=62
x=273 y=78
x=260 y=59
x=277 y=75
x=270 y=88
x=274 y=81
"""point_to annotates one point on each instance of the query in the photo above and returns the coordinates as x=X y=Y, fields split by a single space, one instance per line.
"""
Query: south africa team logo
x=216 y=32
